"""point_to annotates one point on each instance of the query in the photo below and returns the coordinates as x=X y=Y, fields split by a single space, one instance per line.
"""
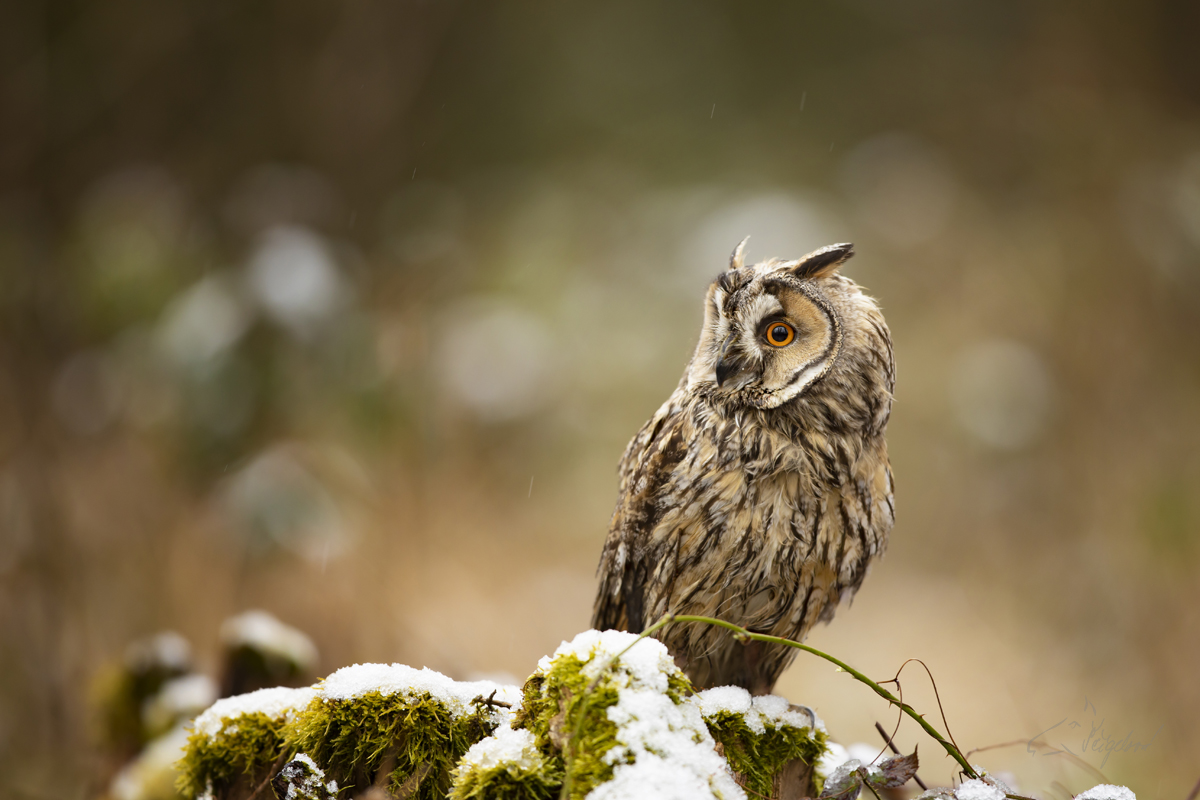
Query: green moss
x=509 y=768
x=569 y=722
x=415 y=737
x=247 y=746
x=759 y=756
x=507 y=784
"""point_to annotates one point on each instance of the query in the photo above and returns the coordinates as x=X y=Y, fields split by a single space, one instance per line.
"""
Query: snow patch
x=663 y=750
x=974 y=789
x=506 y=747
x=179 y=698
x=1107 y=791
x=387 y=679
x=758 y=712
x=266 y=634
x=276 y=703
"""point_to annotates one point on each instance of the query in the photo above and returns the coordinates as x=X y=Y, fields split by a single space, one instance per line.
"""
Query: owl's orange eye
x=780 y=334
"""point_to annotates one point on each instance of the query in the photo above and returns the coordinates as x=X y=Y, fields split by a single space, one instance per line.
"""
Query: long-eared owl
x=761 y=491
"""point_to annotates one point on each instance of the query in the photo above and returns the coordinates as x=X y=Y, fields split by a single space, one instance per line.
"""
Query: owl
x=760 y=492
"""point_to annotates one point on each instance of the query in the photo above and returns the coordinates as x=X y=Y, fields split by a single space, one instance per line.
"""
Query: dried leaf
x=895 y=771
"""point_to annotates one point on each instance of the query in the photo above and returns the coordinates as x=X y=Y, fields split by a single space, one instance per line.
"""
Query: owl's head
x=773 y=330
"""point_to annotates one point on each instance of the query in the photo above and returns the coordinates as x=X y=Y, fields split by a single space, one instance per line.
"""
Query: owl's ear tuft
x=824 y=262
x=735 y=259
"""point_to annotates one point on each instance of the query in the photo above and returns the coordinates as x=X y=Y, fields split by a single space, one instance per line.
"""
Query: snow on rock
x=836 y=755
x=179 y=698
x=387 y=679
x=1107 y=791
x=664 y=749
x=264 y=633
x=758 y=712
x=167 y=649
x=653 y=777
x=974 y=789
x=646 y=665
x=505 y=748
x=276 y=703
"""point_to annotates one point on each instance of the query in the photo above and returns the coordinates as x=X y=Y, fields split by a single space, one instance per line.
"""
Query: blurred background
x=347 y=310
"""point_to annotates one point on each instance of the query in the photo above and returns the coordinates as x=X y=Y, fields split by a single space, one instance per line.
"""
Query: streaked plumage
x=761 y=491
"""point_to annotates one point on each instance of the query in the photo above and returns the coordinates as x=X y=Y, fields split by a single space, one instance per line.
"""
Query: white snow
x=505 y=747
x=179 y=698
x=758 y=712
x=1107 y=791
x=153 y=771
x=647 y=663
x=265 y=633
x=672 y=753
x=655 y=778
x=313 y=781
x=166 y=649
x=277 y=702
x=974 y=789
x=836 y=755
x=387 y=679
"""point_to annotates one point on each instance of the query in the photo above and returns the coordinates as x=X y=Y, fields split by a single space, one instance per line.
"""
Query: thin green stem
x=875 y=687
x=569 y=756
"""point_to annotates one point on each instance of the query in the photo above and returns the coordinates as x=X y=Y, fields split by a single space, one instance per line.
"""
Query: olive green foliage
x=413 y=737
x=540 y=780
x=566 y=714
x=249 y=746
x=569 y=722
x=757 y=757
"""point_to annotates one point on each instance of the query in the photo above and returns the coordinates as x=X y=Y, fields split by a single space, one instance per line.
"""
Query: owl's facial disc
x=766 y=340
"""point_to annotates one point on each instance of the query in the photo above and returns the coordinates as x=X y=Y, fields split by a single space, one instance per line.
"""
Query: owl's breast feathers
x=760 y=518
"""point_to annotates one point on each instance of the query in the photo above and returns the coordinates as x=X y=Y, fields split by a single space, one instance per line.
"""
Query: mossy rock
x=395 y=726
x=238 y=742
x=506 y=766
x=614 y=711
x=761 y=736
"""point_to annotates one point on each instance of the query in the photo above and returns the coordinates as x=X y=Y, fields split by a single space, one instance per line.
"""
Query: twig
x=888 y=740
x=937 y=696
x=948 y=746
x=569 y=755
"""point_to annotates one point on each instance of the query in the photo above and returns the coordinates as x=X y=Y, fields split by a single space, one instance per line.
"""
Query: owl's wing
x=624 y=569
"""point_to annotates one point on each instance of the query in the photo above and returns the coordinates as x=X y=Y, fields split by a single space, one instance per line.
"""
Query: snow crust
x=167 y=649
x=974 y=789
x=505 y=747
x=758 y=712
x=178 y=698
x=672 y=753
x=1107 y=791
x=836 y=755
x=388 y=679
x=277 y=702
x=263 y=632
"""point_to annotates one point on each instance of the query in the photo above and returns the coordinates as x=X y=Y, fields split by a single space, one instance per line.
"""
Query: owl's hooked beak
x=729 y=365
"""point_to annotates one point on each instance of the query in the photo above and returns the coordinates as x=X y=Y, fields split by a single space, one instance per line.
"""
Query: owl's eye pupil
x=780 y=334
